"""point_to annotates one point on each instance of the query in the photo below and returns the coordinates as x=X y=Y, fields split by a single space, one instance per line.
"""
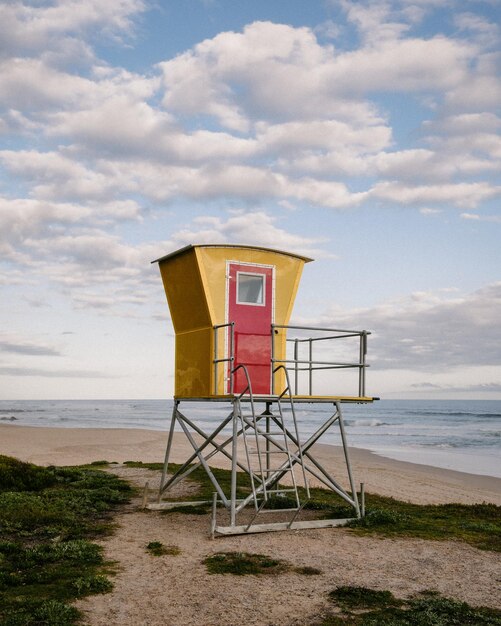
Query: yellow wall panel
x=185 y=292
x=194 y=364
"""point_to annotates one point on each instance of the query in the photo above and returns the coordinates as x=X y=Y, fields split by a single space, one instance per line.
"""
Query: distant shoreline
x=398 y=479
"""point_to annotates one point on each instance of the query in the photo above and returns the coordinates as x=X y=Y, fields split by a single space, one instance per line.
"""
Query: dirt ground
x=178 y=591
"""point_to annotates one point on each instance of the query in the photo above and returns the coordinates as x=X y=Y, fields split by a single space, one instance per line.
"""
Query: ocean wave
x=425 y=413
x=373 y=422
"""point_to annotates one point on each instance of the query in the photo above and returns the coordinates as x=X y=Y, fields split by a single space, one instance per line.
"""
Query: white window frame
x=263 y=276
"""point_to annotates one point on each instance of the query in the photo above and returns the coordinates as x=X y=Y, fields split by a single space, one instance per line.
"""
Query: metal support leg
x=234 y=456
x=347 y=458
x=167 y=451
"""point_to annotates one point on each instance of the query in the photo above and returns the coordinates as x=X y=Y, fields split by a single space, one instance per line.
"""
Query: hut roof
x=222 y=245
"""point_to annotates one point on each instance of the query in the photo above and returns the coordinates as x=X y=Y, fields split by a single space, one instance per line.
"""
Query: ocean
x=463 y=435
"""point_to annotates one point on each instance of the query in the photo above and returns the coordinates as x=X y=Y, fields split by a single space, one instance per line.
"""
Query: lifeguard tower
x=230 y=307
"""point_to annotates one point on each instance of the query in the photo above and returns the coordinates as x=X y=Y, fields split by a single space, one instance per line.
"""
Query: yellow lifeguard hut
x=230 y=307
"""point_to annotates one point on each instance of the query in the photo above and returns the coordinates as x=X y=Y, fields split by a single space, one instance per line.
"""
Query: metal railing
x=294 y=364
x=309 y=364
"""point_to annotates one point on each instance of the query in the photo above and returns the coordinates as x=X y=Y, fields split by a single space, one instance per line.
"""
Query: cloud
x=496 y=219
x=266 y=113
x=29 y=227
x=322 y=135
x=429 y=211
x=277 y=72
x=484 y=31
x=373 y=20
x=480 y=91
x=467 y=195
x=44 y=373
x=429 y=331
x=252 y=228
x=475 y=388
x=27 y=347
x=25 y=27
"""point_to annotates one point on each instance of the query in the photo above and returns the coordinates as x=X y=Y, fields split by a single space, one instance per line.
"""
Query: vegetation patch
x=362 y=598
x=151 y=466
x=157 y=548
x=187 y=510
x=477 y=524
x=369 y=607
x=243 y=563
x=47 y=517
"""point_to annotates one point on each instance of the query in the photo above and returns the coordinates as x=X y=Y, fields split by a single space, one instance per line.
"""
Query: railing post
x=311 y=366
x=361 y=373
x=296 y=371
x=272 y=359
x=215 y=359
x=232 y=357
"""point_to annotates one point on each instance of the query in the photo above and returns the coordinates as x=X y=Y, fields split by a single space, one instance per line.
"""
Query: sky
x=366 y=135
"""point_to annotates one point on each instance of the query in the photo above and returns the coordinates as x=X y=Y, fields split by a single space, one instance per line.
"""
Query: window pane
x=250 y=288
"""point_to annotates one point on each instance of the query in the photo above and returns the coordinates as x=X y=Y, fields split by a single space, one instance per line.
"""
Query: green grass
x=477 y=524
x=368 y=607
x=151 y=466
x=157 y=548
x=47 y=517
x=244 y=563
x=187 y=510
x=362 y=598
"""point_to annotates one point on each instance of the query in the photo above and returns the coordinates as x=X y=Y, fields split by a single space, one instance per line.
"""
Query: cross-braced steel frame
x=300 y=453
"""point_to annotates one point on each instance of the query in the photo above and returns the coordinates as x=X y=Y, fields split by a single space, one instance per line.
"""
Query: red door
x=250 y=306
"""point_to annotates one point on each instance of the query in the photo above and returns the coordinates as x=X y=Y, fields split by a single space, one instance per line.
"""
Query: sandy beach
x=178 y=591
x=399 y=479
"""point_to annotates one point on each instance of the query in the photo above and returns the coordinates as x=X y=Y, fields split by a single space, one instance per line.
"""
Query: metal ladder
x=263 y=445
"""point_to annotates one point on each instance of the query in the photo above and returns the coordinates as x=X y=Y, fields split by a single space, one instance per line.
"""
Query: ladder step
x=280 y=491
x=279 y=510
